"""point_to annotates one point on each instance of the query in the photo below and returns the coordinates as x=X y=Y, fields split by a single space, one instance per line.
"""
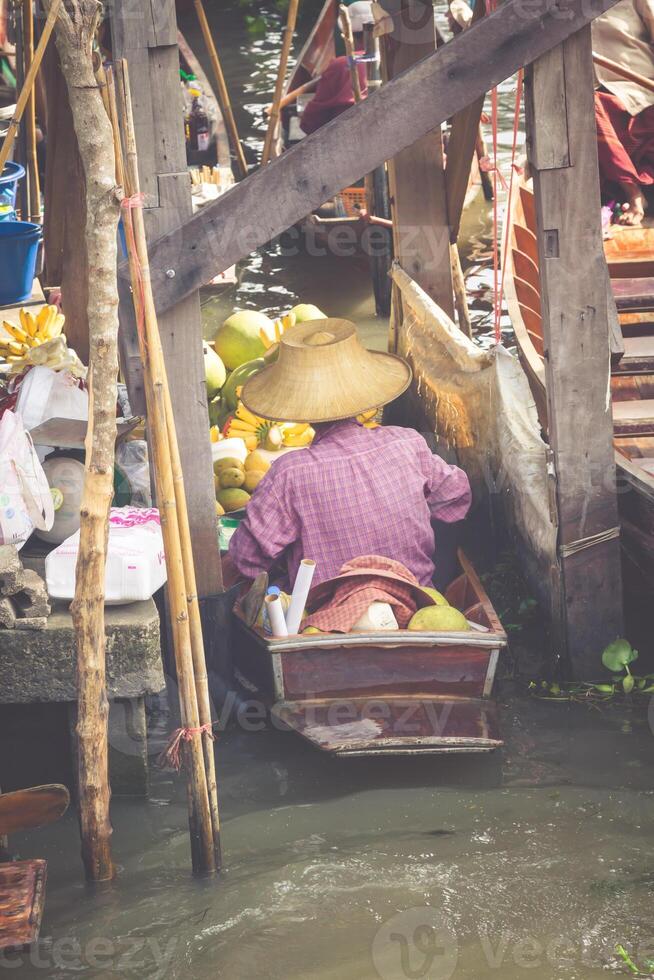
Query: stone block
x=40 y=665
x=32 y=600
x=7 y=613
x=12 y=574
x=31 y=622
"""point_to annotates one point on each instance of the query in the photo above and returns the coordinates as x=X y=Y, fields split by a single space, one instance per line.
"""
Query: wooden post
x=287 y=41
x=76 y=27
x=221 y=90
x=417 y=180
x=577 y=310
x=149 y=43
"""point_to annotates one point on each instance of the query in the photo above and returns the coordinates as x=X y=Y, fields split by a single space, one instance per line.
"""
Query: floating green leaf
x=618 y=655
x=628 y=684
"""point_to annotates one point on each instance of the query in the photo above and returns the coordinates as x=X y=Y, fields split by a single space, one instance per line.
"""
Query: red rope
x=171 y=757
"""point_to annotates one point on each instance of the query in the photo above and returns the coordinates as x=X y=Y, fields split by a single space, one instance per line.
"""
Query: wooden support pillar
x=417 y=179
x=146 y=35
x=577 y=311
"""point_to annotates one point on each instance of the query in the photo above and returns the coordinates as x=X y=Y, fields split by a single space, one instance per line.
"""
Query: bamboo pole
x=30 y=117
x=627 y=73
x=273 y=121
x=28 y=84
x=189 y=645
x=223 y=94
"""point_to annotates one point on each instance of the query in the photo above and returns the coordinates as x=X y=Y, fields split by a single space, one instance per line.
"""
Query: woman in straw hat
x=355 y=491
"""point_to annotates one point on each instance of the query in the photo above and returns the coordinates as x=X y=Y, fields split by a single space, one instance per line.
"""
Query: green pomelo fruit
x=307 y=311
x=238 y=377
x=214 y=371
x=238 y=340
x=437 y=596
x=232 y=499
x=444 y=619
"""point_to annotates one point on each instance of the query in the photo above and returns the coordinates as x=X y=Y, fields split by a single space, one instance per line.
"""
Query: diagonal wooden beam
x=414 y=103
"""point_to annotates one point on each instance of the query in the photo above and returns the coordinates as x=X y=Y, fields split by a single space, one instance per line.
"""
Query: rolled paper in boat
x=299 y=596
x=276 y=615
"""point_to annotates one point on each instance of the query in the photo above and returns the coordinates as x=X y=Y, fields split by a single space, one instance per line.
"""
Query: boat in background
x=630 y=258
x=400 y=692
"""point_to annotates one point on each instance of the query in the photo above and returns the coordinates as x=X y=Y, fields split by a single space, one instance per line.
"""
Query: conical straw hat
x=324 y=373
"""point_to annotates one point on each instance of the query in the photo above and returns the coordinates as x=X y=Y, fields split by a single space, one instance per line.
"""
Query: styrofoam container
x=136 y=564
x=234 y=448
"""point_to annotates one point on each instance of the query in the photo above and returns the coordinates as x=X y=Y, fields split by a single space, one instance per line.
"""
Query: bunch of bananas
x=262 y=433
x=280 y=326
x=369 y=419
x=17 y=341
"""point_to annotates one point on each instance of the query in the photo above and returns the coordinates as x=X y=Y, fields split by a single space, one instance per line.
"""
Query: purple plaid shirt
x=354 y=491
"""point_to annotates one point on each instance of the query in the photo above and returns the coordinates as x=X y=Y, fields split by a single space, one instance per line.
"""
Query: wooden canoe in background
x=388 y=693
x=630 y=257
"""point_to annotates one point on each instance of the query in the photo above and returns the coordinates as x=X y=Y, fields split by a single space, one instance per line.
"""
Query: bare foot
x=634 y=210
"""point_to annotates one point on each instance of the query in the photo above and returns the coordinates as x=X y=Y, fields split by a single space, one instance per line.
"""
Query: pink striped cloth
x=354 y=492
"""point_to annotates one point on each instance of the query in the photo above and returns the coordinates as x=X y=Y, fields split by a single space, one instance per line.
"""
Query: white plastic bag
x=46 y=394
x=25 y=498
x=136 y=565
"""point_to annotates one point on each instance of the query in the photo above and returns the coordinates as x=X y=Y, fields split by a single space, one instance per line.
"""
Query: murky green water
x=534 y=862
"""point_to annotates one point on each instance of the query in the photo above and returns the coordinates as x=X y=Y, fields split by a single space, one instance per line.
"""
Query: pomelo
x=238 y=377
x=214 y=371
x=307 y=311
x=437 y=619
x=238 y=340
x=434 y=594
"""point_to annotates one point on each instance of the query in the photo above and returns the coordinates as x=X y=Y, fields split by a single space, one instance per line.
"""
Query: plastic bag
x=25 y=498
x=132 y=463
x=46 y=394
x=136 y=564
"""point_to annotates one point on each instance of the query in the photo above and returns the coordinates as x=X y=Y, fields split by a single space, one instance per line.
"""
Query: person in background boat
x=356 y=490
x=334 y=92
x=624 y=110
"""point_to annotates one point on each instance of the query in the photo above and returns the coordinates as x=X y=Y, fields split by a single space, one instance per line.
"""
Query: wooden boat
x=630 y=257
x=22 y=883
x=383 y=693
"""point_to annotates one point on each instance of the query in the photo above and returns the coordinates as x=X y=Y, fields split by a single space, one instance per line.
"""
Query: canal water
x=534 y=862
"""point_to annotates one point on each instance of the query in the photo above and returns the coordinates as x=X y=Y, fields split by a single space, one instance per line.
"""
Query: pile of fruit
x=244 y=345
x=441 y=617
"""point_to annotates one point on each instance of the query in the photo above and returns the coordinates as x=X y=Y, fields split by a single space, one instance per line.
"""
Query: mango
x=227 y=463
x=231 y=477
x=220 y=510
x=232 y=499
x=252 y=480
x=238 y=340
x=214 y=371
x=437 y=596
x=257 y=461
x=443 y=619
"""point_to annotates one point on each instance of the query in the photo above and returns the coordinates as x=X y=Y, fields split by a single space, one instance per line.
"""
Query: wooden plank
x=634 y=295
x=154 y=76
x=461 y=149
x=547 y=142
x=421 y=229
x=22 y=894
x=586 y=581
x=347 y=148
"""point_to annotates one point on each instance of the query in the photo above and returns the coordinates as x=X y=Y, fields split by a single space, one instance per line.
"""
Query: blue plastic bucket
x=12 y=173
x=19 y=247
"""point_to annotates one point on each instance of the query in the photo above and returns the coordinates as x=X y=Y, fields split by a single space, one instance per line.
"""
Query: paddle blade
x=34 y=807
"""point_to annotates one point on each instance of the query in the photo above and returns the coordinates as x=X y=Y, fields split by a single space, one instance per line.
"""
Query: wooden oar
x=34 y=807
x=626 y=73
x=273 y=122
x=28 y=84
x=221 y=91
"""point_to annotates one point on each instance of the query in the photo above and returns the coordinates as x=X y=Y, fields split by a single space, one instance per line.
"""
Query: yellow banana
x=27 y=322
x=14 y=331
x=56 y=325
x=299 y=439
x=45 y=320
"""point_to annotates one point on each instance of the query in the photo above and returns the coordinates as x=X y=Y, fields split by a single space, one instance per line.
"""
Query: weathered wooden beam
x=414 y=103
x=421 y=229
x=577 y=309
x=147 y=38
